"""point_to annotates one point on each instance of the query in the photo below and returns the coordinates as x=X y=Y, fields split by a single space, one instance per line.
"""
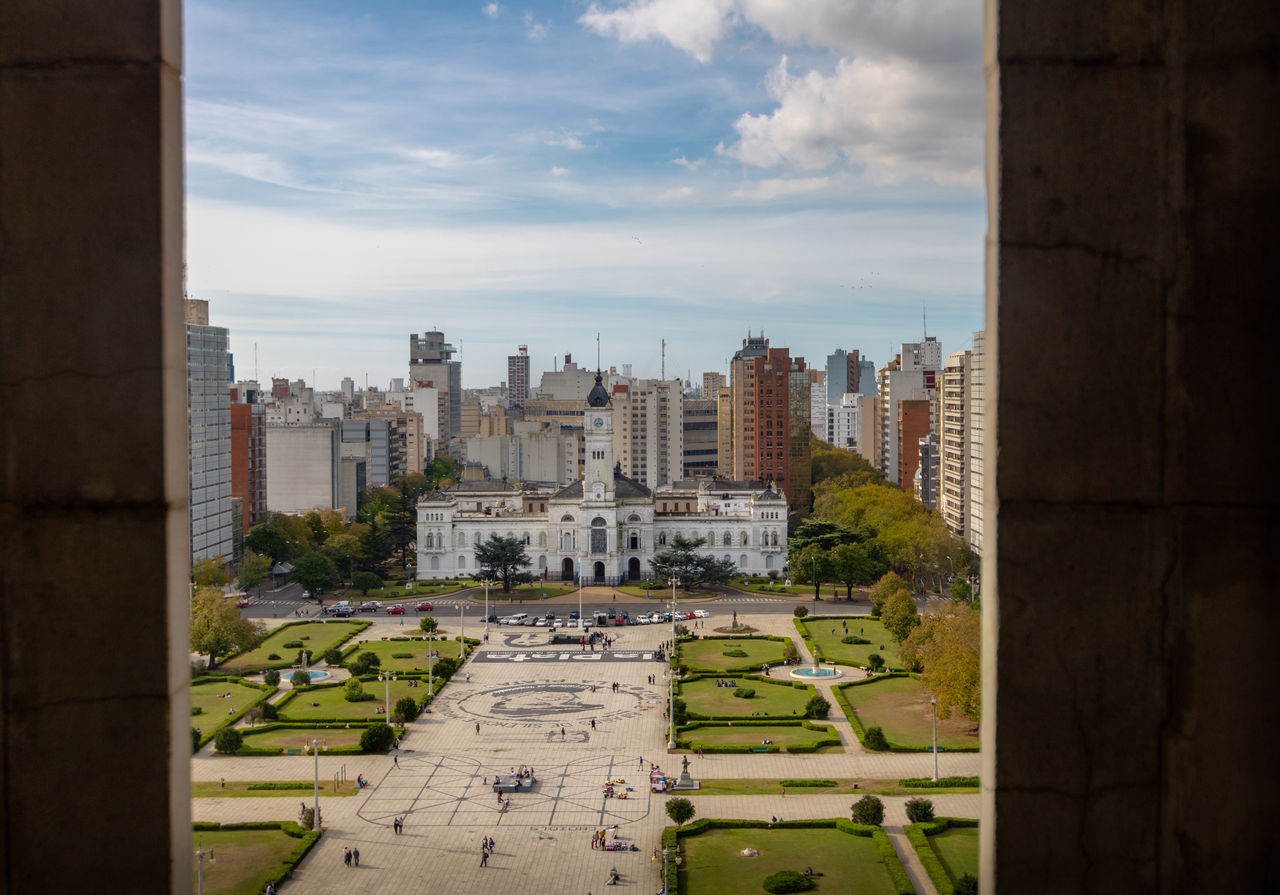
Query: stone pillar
x=93 y=534
x=1130 y=701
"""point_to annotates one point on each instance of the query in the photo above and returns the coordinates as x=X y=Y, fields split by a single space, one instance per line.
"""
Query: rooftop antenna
x=663 y=375
x=597 y=351
x=924 y=319
x=255 y=364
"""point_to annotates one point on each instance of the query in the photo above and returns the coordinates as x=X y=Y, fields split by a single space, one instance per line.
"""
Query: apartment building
x=212 y=523
x=953 y=484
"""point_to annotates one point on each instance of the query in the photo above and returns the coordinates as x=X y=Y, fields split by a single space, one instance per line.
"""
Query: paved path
x=539 y=714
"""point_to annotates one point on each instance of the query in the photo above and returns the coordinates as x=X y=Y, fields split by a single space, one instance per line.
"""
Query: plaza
x=534 y=705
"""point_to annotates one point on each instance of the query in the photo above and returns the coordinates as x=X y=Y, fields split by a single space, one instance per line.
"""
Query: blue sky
x=535 y=173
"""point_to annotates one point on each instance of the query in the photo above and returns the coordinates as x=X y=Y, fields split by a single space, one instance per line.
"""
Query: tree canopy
x=316 y=572
x=947 y=647
x=210 y=572
x=254 y=570
x=502 y=558
x=217 y=628
x=900 y=616
x=683 y=562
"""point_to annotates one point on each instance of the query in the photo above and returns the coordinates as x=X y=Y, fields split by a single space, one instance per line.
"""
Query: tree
x=316 y=572
x=800 y=611
x=365 y=582
x=378 y=545
x=810 y=565
x=833 y=463
x=966 y=885
x=300 y=679
x=502 y=558
x=875 y=661
x=377 y=738
x=210 y=572
x=785 y=881
x=228 y=740
x=960 y=591
x=402 y=522
x=441 y=472
x=853 y=565
x=680 y=810
x=353 y=691
x=271 y=677
x=874 y=739
x=821 y=532
x=254 y=571
x=407 y=708
x=280 y=536
x=682 y=561
x=428 y=624
x=365 y=663
x=888 y=585
x=217 y=628
x=948 y=648
x=332 y=656
x=817 y=708
x=900 y=616
x=919 y=810
x=346 y=548
x=868 y=810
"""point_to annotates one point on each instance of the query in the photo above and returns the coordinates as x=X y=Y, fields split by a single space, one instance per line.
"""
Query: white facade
x=977 y=450
x=649 y=435
x=818 y=404
x=209 y=440
x=606 y=526
x=303 y=468
x=953 y=498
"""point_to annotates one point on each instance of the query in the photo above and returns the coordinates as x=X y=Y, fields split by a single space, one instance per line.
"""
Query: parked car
x=342 y=612
x=701 y=613
x=550 y=614
x=492 y=619
x=306 y=595
x=559 y=622
x=424 y=606
x=573 y=614
x=395 y=610
x=371 y=606
x=541 y=623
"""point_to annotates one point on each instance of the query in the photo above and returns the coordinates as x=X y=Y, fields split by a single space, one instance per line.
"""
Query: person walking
x=346 y=856
x=477 y=727
x=355 y=856
x=396 y=760
x=484 y=857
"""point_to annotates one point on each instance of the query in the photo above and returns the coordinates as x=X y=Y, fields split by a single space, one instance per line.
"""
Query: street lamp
x=486 y=607
x=431 y=660
x=387 y=676
x=462 y=630
x=580 y=596
x=315 y=814
x=200 y=853
x=933 y=701
x=671 y=743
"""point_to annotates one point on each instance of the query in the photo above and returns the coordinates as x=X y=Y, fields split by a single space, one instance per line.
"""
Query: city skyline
x=535 y=173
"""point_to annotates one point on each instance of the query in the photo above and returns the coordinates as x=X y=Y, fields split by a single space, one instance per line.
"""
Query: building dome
x=598 y=397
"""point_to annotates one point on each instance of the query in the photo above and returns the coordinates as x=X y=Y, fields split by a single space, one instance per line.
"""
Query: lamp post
x=486 y=607
x=387 y=676
x=579 y=596
x=462 y=630
x=431 y=661
x=200 y=853
x=933 y=701
x=315 y=813
x=815 y=583
x=671 y=743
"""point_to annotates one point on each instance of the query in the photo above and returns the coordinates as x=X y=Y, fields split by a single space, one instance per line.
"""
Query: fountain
x=306 y=662
x=816 y=671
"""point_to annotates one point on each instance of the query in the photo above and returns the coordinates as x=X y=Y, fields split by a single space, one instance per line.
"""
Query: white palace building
x=605 y=527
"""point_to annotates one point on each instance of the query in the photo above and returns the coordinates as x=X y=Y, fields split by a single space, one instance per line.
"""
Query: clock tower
x=597 y=428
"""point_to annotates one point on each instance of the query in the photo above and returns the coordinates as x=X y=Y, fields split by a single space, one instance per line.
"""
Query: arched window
x=633 y=518
x=743 y=540
x=726 y=539
x=599 y=536
x=662 y=539
x=542 y=539
x=633 y=540
x=775 y=539
x=462 y=562
x=435 y=563
x=461 y=539
x=742 y=561
x=430 y=540
x=566 y=518
x=526 y=539
x=542 y=562
x=711 y=539
x=768 y=561
x=477 y=541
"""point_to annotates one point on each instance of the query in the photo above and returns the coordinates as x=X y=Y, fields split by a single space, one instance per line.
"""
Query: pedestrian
x=477 y=727
x=484 y=858
x=491 y=846
x=784 y=792
x=594 y=841
x=468 y=677
x=700 y=752
x=346 y=856
x=562 y=733
x=396 y=760
x=355 y=856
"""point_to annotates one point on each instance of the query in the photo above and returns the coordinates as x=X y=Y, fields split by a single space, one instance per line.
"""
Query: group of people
x=486 y=849
x=351 y=857
x=361 y=783
x=721 y=682
x=398 y=825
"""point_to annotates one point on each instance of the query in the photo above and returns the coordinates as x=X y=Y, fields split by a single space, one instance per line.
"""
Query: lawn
x=957 y=848
x=709 y=655
x=703 y=697
x=315 y=636
x=711 y=735
x=239 y=789
x=765 y=586
x=297 y=737
x=328 y=702
x=713 y=864
x=241 y=860
x=663 y=593
x=900 y=705
x=521 y=592
x=755 y=786
x=386 y=650
x=827 y=633
x=208 y=697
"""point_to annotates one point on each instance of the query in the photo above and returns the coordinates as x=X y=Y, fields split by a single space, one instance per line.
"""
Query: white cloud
x=430 y=155
x=892 y=118
x=534 y=29
x=557 y=171
x=694 y=26
x=763 y=190
x=674 y=194
x=685 y=163
x=492 y=10
x=567 y=140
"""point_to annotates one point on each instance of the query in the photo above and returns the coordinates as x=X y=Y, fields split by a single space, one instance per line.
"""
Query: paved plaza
x=531 y=704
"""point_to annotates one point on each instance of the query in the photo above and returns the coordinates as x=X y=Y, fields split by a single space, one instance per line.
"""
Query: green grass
x=957 y=848
x=828 y=643
x=900 y=705
x=521 y=592
x=328 y=702
x=703 y=697
x=764 y=586
x=708 y=655
x=386 y=649
x=242 y=859
x=711 y=735
x=215 y=709
x=239 y=789
x=323 y=636
x=755 y=786
x=420 y=590
x=663 y=593
x=297 y=737
x=713 y=864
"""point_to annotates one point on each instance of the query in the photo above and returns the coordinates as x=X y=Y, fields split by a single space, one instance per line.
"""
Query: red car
x=395 y=610
x=424 y=607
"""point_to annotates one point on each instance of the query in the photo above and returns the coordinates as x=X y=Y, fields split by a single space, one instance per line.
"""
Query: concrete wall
x=302 y=468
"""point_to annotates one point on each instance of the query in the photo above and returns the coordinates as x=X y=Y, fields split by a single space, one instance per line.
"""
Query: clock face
x=598 y=422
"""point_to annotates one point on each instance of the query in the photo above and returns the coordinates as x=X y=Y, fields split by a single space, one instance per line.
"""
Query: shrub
x=196 y=710
x=365 y=662
x=868 y=810
x=889 y=584
x=333 y=656
x=269 y=711
x=294 y=644
x=854 y=639
x=817 y=707
x=788 y=881
x=800 y=611
x=377 y=738
x=919 y=810
x=273 y=657
x=428 y=624
x=680 y=810
x=306 y=817
x=735 y=653
x=789 y=650
x=805 y=781
x=743 y=692
x=966 y=885
x=402 y=655
x=407 y=708
x=227 y=740
x=874 y=739
x=354 y=691
x=300 y=679
x=365 y=582
x=271 y=677
x=195 y=738
x=199 y=667
x=875 y=661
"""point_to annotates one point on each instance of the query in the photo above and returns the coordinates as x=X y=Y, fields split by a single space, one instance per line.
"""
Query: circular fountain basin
x=810 y=673
x=318 y=675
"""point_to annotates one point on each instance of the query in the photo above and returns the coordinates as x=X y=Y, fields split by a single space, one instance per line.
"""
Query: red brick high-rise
x=249 y=459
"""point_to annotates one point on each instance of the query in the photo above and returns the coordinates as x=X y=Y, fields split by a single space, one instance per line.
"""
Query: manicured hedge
x=940 y=783
x=358 y=626
x=676 y=657
x=671 y=837
x=301 y=725
x=918 y=835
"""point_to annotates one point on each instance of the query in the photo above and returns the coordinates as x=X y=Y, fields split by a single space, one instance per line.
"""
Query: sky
x=537 y=173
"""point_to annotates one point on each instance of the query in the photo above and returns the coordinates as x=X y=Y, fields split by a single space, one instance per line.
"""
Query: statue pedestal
x=685 y=782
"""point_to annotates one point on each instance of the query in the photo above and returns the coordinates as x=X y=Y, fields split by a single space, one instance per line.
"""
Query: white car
x=541 y=623
x=559 y=623
x=642 y=620
x=701 y=613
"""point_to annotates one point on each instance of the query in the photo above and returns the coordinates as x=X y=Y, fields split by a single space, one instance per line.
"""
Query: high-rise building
x=953 y=496
x=518 y=378
x=649 y=431
x=851 y=426
x=431 y=364
x=208 y=436
x=818 y=403
x=913 y=426
x=844 y=375
x=977 y=449
x=700 y=437
x=765 y=445
x=799 y=481
x=348 y=389
x=304 y=467
x=913 y=374
x=925 y=478
x=248 y=455
x=711 y=384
